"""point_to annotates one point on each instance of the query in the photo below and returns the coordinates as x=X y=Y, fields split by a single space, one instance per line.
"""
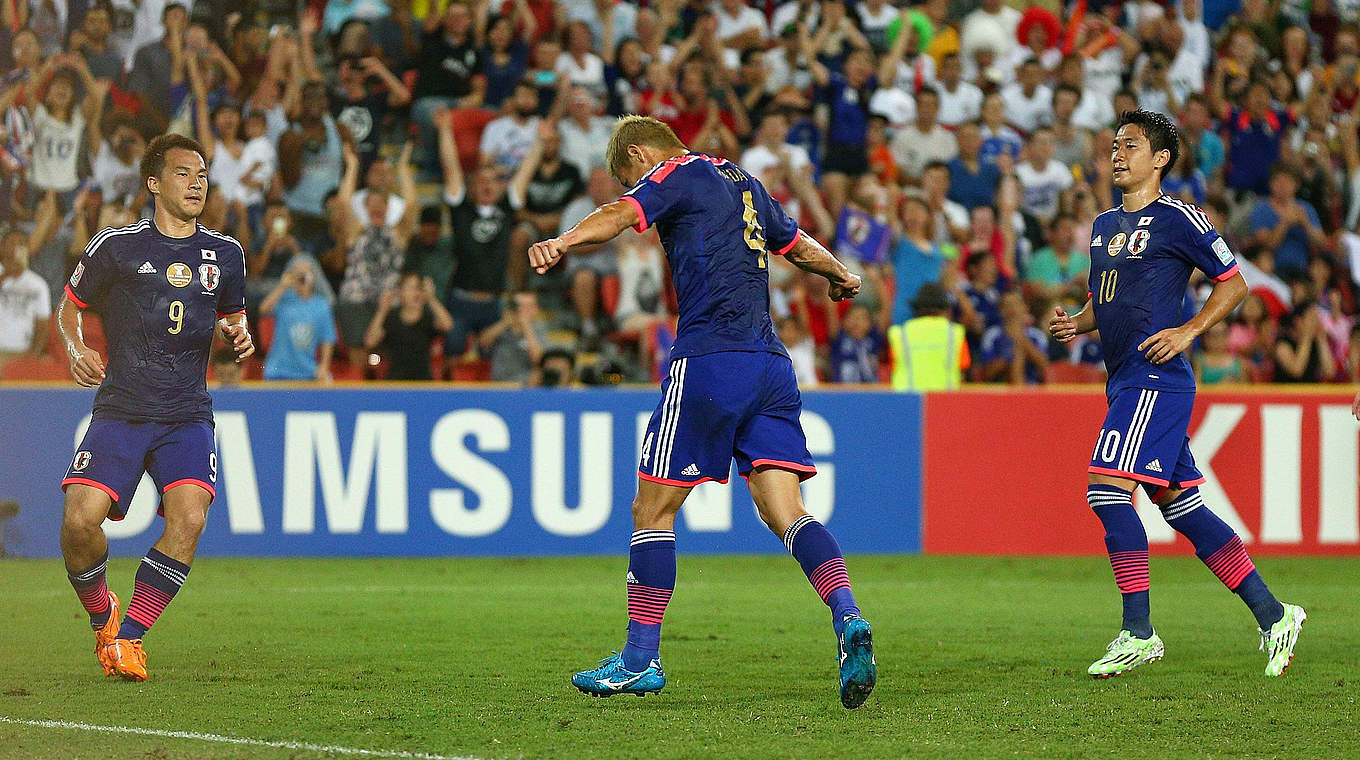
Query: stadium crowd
x=385 y=164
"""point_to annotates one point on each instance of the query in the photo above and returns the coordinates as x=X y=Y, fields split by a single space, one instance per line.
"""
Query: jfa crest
x=209 y=275
x=82 y=461
x=1138 y=242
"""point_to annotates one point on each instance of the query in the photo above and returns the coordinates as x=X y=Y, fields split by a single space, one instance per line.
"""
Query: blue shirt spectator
x=1254 y=135
x=303 y=324
x=914 y=265
x=1285 y=224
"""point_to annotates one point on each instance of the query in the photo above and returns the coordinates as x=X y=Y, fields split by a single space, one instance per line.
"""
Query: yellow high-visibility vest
x=928 y=354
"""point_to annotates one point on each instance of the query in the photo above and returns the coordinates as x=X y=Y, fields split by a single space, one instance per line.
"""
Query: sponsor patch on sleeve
x=1221 y=250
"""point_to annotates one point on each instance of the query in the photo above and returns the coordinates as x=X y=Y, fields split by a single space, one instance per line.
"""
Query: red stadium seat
x=467 y=125
x=1067 y=373
x=609 y=293
x=51 y=367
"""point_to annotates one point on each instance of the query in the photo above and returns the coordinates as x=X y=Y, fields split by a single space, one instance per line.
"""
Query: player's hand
x=845 y=289
x=1165 y=345
x=87 y=367
x=1355 y=406
x=1061 y=326
x=239 y=337
x=543 y=255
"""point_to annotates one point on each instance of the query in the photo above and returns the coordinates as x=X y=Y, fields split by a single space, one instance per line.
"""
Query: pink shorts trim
x=641 y=226
x=222 y=314
x=1129 y=475
x=796 y=235
x=72 y=295
x=804 y=471
x=92 y=483
x=192 y=482
x=1228 y=275
x=678 y=483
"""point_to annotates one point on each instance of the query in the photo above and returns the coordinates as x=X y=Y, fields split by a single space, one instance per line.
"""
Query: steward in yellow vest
x=929 y=352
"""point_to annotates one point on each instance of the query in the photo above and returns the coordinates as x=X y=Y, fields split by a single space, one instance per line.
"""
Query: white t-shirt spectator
x=1094 y=111
x=760 y=159
x=875 y=25
x=508 y=142
x=396 y=207
x=919 y=70
x=950 y=213
x=1040 y=188
x=588 y=73
x=747 y=18
x=784 y=74
x=261 y=160
x=1049 y=59
x=963 y=104
x=642 y=281
x=893 y=104
x=913 y=149
x=56 y=146
x=118 y=182
x=1026 y=112
x=1103 y=74
x=786 y=15
x=581 y=147
x=23 y=300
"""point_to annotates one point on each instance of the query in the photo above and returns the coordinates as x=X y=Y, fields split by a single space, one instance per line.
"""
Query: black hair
x=975 y=259
x=153 y=161
x=1160 y=130
x=928 y=90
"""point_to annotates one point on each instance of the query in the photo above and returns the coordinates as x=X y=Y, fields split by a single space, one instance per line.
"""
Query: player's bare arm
x=232 y=329
x=811 y=256
x=1066 y=327
x=603 y=224
x=87 y=366
x=1226 y=297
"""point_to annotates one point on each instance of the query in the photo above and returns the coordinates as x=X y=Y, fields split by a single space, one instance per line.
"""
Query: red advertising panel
x=1005 y=471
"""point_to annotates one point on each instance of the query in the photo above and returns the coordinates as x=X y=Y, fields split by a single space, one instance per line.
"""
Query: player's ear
x=153 y=185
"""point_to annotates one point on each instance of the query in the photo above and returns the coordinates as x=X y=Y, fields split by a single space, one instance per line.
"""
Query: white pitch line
x=218 y=738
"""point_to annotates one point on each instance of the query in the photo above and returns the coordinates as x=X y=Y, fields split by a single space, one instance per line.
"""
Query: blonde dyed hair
x=637 y=130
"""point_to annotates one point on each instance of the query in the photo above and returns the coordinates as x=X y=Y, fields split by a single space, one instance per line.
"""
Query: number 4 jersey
x=159 y=299
x=1140 y=269
x=718 y=226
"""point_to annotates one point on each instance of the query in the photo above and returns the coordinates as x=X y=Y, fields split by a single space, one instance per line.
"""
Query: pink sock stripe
x=1231 y=563
x=647 y=605
x=1130 y=571
x=94 y=599
x=830 y=576
x=148 y=602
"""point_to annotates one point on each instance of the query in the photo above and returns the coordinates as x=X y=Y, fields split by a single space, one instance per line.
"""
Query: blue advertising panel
x=455 y=471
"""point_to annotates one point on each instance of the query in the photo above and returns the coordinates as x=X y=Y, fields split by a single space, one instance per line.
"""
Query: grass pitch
x=977 y=658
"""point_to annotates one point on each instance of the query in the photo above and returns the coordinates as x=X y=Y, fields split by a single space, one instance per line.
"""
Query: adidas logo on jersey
x=1099 y=241
x=631 y=578
x=1153 y=466
x=691 y=471
x=146 y=268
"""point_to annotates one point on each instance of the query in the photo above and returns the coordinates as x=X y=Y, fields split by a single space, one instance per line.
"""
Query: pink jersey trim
x=804 y=471
x=679 y=483
x=71 y=295
x=641 y=226
x=191 y=482
x=796 y=234
x=222 y=314
x=92 y=483
x=1228 y=275
x=1129 y=475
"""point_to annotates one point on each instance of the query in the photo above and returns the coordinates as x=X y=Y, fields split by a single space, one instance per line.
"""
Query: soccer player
x=1142 y=254
x=162 y=287
x=729 y=392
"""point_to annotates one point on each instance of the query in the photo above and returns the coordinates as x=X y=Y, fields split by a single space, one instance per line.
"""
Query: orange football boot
x=127 y=658
x=105 y=636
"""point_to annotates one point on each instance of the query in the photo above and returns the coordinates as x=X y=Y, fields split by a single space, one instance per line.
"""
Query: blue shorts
x=1145 y=438
x=718 y=407
x=114 y=453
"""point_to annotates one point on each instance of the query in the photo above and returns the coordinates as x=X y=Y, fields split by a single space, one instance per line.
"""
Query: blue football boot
x=859 y=672
x=611 y=678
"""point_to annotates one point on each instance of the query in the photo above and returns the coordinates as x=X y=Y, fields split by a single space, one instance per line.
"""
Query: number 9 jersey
x=1141 y=263
x=718 y=226
x=159 y=299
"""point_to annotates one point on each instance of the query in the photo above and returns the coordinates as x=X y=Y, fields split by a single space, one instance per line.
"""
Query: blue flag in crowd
x=861 y=236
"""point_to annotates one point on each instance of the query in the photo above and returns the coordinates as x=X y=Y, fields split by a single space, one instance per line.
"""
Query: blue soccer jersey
x=159 y=299
x=1141 y=263
x=718 y=226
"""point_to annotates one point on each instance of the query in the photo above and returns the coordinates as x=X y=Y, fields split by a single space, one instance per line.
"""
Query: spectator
x=577 y=64
x=150 y=69
x=1251 y=335
x=588 y=265
x=916 y=259
x=1153 y=86
x=584 y=131
x=428 y=251
x=1044 y=181
x=1255 y=133
x=1001 y=145
x=1074 y=147
x=847 y=97
x=556 y=369
x=547 y=184
x=368 y=91
x=802 y=350
x=379 y=181
x=25 y=299
x=1199 y=137
x=983 y=291
x=1302 y=352
x=448 y=75
x=929 y=352
x=1059 y=270
x=506 y=140
x=1028 y=102
x=625 y=76
x=925 y=141
x=406 y=324
x=972 y=182
x=1015 y=350
x=374 y=252
x=91 y=42
x=740 y=28
x=1217 y=364
x=856 y=352
x=949 y=220
x=515 y=342
x=226 y=371
x=1186 y=181
x=960 y=100
x=116 y=169
x=304 y=328
x=481 y=218
x=270 y=258
x=311 y=161
x=995 y=23
x=1286 y=225
x=505 y=60
x=700 y=121
x=61 y=126
x=642 y=283
x=876 y=19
